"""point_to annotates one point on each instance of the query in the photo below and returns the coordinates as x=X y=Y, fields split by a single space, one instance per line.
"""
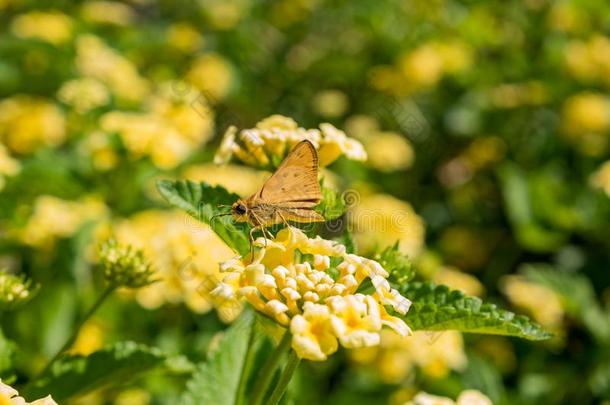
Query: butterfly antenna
x=216 y=216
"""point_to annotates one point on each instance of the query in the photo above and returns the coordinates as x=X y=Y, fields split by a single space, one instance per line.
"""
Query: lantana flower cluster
x=316 y=289
x=10 y=396
x=268 y=143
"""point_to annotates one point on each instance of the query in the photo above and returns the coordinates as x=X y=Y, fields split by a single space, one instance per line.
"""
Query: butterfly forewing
x=292 y=191
x=296 y=179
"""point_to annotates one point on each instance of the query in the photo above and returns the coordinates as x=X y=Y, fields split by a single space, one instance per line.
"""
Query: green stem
x=100 y=300
x=266 y=374
x=243 y=380
x=285 y=377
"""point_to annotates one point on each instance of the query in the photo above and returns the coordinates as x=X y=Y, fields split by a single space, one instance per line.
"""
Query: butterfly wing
x=293 y=190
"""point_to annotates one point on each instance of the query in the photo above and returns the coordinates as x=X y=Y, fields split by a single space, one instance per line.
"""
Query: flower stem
x=282 y=384
x=268 y=370
x=243 y=380
x=100 y=300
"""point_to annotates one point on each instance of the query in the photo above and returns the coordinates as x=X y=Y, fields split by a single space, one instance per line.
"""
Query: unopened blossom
x=310 y=285
x=14 y=290
x=125 y=266
x=270 y=141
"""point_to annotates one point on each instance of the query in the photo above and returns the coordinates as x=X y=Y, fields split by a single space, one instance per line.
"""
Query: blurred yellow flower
x=211 y=74
x=458 y=280
x=97 y=147
x=97 y=60
x=468 y=397
x=589 y=61
x=599 y=179
x=8 y=166
x=107 y=12
x=330 y=103
x=224 y=14
x=435 y=353
x=542 y=303
x=184 y=252
x=90 y=338
x=586 y=121
x=184 y=37
x=512 y=95
x=389 y=151
x=268 y=143
x=54 y=218
x=53 y=27
x=241 y=180
x=83 y=94
x=380 y=220
x=10 y=396
x=302 y=295
x=27 y=124
x=133 y=396
x=169 y=131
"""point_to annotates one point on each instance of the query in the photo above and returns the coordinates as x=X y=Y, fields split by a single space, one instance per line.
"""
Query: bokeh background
x=487 y=125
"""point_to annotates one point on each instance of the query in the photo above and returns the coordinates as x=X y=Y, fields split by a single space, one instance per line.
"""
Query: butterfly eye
x=240 y=209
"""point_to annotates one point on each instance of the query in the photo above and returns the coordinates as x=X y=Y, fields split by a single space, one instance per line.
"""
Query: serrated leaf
x=73 y=376
x=216 y=381
x=397 y=264
x=436 y=307
x=201 y=201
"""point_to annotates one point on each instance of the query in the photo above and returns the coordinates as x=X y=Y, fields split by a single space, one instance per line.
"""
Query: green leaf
x=73 y=376
x=201 y=201
x=397 y=264
x=435 y=307
x=7 y=352
x=216 y=381
x=332 y=205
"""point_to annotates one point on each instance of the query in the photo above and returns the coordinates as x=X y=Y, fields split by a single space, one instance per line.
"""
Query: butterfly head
x=239 y=210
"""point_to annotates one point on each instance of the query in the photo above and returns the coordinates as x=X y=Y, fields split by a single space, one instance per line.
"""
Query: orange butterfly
x=290 y=194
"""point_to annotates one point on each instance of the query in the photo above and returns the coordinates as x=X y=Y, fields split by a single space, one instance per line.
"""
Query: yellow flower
x=599 y=179
x=8 y=166
x=586 y=122
x=224 y=14
x=84 y=94
x=185 y=255
x=97 y=147
x=268 y=143
x=468 y=397
x=107 y=12
x=380 y=220
x=301 y=294
x=458 y=280
x=435 y=353
x=184 y=37
x=27 y=124
x=10 y=396
x=211 y=74
x=90 y=338
x=312 y=333
x=53 y=27
x=389 y=151
x=97 y=60
x=541 y=302
x=241 y=180
x=331 y=103
x=54 y=218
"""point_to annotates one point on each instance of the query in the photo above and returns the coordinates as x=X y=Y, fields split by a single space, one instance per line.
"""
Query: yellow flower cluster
x=52 y=27
x=379 y=220
x=423 y=67
x=8 y=166
x=589 y=60
x=97 y=60
x=107 y=12
x=54 y=218
x=586 y=121
x=468 y=397
x=541 y=302
x=211 y=74
x=29 y=123
x=169 y=131
x=274 y=136
x=435 y=353
x=10 y=396
x=599 y=179
x=84 y=94
x=172 y=242
x=241 y=180
x=290 y=280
